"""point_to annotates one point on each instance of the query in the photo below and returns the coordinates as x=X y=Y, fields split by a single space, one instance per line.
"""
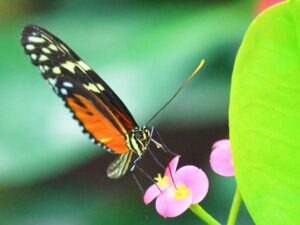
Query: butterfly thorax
x=138 y=138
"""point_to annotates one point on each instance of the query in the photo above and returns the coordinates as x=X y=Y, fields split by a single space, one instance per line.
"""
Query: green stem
x=202 y=214
x=235 y=208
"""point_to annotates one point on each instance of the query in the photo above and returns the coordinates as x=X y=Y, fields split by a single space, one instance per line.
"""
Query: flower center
x=162 y=181
x=181 y=192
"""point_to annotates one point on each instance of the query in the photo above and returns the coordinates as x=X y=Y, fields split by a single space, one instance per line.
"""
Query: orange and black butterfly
x=91 y=101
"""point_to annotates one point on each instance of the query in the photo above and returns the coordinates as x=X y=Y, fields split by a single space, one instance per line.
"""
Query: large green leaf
x=265 y=116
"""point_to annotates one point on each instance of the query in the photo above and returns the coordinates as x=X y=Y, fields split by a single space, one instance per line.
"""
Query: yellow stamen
x=181 y=192
x=162 y=181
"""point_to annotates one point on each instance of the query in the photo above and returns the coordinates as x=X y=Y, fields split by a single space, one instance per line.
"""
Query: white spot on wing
x=53 y=47
x=46 y=50
x=43 y=58
x=69 y=66
x=68 y=84
x=100 y=87
x=36 y=39
x=52 y=81
x=33 y=56
x=46 y=68
x=45 y=37
x=64 y=91
x=41 y=68
x=94 y=87
x=83 y=65
x=64 y=49
x=56 y=70
x=30 y=47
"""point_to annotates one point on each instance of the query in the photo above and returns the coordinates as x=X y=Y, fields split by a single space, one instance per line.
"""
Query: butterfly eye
x=139 y=135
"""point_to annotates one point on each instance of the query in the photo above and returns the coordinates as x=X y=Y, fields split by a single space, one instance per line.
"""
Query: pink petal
x=172 y=166
x=151 y=193
x=224 y=143
x=195 y=179
x=168 y=206
x=221 y=159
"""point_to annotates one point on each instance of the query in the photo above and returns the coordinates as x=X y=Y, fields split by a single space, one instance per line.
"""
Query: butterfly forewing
x=92 y=102
x=55 y=59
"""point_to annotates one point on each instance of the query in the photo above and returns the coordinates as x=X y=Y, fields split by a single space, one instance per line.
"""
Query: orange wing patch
x=98 y=125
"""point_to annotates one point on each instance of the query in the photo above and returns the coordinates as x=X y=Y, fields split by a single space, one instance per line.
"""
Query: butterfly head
x=139 y=138
x=142 y=134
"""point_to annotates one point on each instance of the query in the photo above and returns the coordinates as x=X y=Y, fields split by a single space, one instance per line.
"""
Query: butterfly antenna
x=180 y=88
x=138 y=183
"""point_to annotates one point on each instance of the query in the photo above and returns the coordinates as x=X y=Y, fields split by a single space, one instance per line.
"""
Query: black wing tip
x=29 y=29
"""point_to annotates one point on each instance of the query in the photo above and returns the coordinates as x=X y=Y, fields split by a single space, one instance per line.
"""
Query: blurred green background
x=49 y=172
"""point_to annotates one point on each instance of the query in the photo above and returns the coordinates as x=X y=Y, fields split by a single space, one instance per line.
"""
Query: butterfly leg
x=135 y=162
x=155 y=159
x=148 y=176
x=138 y=182
x=132 y=170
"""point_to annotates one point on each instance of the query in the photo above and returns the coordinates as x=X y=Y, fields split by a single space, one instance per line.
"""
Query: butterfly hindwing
x=119 y=166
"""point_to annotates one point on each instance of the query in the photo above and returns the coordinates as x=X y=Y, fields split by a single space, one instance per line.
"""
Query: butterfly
x=96 y=107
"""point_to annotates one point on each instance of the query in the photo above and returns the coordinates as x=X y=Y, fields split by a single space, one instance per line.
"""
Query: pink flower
x=221 y=158
x=177 y=189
